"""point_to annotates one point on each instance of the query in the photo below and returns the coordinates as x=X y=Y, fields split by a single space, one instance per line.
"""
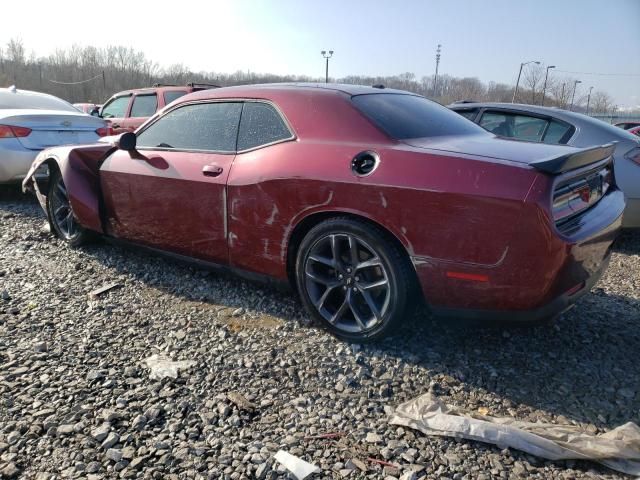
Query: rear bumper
x=555 y=307
x=15 y=160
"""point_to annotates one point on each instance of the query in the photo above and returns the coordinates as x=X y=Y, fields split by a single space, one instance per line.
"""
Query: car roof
x=266 y=88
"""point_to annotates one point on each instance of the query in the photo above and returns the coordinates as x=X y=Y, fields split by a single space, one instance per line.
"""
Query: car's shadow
x=584 y=367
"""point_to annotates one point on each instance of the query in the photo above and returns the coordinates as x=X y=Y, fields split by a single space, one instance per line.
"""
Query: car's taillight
x=104 y=131
x=9 y=131
x=576 y=195
x=634 y=155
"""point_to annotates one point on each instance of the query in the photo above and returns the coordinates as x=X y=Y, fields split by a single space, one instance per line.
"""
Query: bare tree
x=533 y=79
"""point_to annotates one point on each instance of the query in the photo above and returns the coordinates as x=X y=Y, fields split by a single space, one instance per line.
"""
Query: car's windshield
x=410 y=116
x=38 y=102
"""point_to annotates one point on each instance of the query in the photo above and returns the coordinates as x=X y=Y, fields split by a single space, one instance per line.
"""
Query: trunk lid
x=493 y=147
x=52 y=127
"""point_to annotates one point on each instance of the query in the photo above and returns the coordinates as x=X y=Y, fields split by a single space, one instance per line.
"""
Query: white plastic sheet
x=298 y=467
x=162 y=366
x=618 y=449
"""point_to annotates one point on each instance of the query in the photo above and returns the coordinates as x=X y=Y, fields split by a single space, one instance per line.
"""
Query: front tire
x=60 y=213
x=354 y=279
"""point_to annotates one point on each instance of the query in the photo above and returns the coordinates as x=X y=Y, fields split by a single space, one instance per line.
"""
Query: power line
x=74 y=83
x=606 y=74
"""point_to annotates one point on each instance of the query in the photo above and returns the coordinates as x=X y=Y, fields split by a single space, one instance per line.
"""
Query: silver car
x=553 y=125
x=31 y=122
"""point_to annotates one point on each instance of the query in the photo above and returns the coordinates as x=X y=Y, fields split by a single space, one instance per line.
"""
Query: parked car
x=364 y=199
x=31 y=122
x=556 y=126
x=88 y=108
x=627 y=125
x=125 y=111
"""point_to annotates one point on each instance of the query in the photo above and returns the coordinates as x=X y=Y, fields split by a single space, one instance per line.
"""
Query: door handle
x=211 y=170
x=115 y=126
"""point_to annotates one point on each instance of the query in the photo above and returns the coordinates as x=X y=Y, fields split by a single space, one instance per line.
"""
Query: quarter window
x=116 y=108
x=202 y=126
x=470 y=114
x=525 y=127
x=144 y=105
x=172 y=95
x=260 y=125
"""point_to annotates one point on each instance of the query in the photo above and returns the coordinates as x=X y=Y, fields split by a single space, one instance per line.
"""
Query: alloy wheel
x=347 y=282
x=62 y=212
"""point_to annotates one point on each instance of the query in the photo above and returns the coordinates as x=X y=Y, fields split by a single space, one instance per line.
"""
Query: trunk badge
x=66 y=123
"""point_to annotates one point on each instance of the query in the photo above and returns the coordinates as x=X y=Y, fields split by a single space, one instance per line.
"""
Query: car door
x=143 y=106
x=115 y=111
x=171 y=192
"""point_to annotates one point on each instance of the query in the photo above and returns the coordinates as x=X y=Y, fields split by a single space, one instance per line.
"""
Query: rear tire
x=353 y=279
x=60 y=213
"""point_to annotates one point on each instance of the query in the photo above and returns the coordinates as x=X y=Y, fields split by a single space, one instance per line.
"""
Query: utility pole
x=589 y=99
x=435 y=78
x=562 y=103
x=326 y=57
x=575 y=84
x=515 y=92
x=544 y=89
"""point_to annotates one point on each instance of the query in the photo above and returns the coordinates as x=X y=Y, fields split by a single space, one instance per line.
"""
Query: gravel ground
x=77 y=401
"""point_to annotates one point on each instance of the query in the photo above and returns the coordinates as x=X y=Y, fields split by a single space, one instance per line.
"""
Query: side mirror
x=95 y=112
x=127 y=141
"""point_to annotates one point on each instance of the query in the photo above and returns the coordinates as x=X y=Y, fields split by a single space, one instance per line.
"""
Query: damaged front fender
x=80 y=167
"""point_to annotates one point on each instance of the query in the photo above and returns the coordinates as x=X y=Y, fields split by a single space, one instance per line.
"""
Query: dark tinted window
x=203 y=126
x=116 y=108
x=260 y=125
x=144 y=105
x=411 y=116
x=172 y=95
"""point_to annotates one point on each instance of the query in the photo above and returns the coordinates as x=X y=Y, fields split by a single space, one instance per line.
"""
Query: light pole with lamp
x=573 y=96
x=326 y=57
x=544 y=89
x=515 y=92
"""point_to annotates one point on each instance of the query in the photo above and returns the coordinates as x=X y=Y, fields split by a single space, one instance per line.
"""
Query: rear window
x=410 y=116
x=38 y=102
x=173 y=95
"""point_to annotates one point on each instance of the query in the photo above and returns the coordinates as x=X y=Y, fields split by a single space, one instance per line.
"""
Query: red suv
x=125 y=111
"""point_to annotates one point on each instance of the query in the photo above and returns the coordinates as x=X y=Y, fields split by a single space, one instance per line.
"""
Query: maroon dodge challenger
x=365 y=199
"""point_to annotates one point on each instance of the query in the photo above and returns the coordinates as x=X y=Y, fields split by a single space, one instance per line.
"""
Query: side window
x=144 y=105
x=201 y=126
x=522 y=127
x=171 y=95
x=469 y=114
x=556 y=132
x=498 y=123
x=261 y=124
x=116 y=108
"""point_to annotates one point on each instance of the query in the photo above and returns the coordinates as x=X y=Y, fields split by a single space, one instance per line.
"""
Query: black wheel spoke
x=61 y=211
x=344 y=307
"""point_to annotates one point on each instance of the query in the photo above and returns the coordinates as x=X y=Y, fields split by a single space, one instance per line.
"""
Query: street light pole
x=515 y=92
x=589 y=99
x=575 y=84
x=544 y=89
x=326 y=57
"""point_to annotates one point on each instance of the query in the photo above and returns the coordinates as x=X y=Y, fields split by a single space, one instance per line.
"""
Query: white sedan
x=31 y=122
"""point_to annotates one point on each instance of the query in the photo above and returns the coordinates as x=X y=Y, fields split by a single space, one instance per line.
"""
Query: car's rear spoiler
x=574 y=160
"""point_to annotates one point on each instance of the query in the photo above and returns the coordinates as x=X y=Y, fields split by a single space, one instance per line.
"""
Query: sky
x=487 y=39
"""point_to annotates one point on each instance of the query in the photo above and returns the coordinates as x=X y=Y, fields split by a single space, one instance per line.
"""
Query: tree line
x=91 y=74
